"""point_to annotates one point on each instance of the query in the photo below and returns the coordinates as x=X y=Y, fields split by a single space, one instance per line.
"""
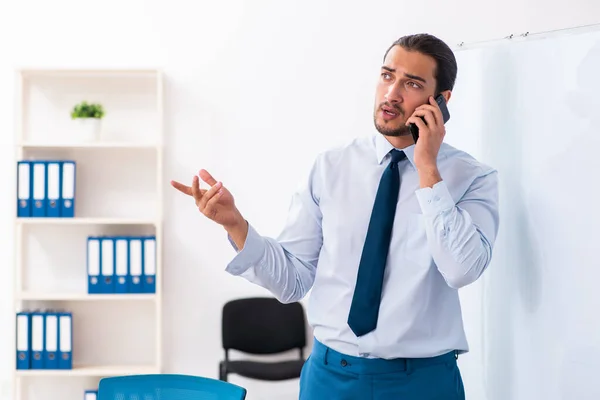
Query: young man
x=384 y=232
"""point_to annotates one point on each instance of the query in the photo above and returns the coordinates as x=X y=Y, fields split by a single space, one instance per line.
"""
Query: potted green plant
x=89 y=117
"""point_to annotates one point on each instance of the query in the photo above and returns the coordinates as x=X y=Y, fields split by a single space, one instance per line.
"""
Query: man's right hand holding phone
x=429 y=120
x=217 y=204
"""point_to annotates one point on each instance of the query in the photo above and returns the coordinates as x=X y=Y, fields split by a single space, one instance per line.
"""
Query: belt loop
x=326 y=353
x=409 y=366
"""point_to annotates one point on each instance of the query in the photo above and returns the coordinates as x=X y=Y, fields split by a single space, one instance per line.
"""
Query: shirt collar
x=383 y=147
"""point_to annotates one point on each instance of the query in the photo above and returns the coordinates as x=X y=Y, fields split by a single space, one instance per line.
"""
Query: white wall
x=255 y=89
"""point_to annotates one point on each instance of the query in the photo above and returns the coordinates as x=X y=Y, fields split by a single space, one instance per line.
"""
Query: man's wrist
x=429 y=175
x=238 y=231
x=236 y=224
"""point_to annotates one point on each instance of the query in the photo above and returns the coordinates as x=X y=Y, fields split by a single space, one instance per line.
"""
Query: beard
x=401 y=130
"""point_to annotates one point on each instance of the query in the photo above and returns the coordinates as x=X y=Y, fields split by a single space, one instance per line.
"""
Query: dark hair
x=445 y=73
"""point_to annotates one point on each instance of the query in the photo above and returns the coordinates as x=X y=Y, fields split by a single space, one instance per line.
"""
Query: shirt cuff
x=252 y=252
x=435 y=200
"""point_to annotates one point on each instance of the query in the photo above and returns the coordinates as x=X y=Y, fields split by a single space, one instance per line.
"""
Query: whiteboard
x=531 y=109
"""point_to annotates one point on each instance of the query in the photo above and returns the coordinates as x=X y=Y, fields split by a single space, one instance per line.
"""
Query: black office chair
x=262 y=326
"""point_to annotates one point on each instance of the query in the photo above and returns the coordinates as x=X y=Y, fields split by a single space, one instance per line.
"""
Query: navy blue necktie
x=364 y=310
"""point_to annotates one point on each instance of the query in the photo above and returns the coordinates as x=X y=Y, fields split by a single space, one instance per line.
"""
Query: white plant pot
x=88 y=129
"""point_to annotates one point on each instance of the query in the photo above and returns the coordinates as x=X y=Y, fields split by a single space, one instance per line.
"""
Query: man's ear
x=447 y=94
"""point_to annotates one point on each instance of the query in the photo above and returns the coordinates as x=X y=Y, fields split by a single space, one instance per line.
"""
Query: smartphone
x=441 y=101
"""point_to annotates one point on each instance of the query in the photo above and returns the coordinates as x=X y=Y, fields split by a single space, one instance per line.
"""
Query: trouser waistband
x=360 y=365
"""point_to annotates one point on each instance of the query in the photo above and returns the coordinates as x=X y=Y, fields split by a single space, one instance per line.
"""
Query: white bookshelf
x=92 y=371
x=86 y=221
x=108 y=145
x=49 y=296
x=119 y=191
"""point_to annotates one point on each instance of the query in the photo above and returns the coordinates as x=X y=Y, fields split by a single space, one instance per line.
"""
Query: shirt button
x=344 y=363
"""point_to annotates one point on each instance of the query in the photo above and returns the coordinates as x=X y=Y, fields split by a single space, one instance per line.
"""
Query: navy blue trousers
x=330 y=375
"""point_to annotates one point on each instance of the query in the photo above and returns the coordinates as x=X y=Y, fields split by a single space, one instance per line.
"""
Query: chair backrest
x=167 y=387
x=263 y=325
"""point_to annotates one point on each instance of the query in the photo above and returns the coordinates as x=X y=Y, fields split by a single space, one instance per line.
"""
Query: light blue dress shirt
x=442 y=240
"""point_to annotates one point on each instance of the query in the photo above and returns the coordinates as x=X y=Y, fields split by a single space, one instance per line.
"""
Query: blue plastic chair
x=167 y=387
